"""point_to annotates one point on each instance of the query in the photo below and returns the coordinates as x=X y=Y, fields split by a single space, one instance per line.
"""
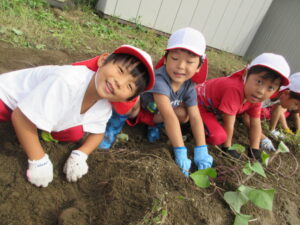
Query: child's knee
x=182 y=114
x=218 y=138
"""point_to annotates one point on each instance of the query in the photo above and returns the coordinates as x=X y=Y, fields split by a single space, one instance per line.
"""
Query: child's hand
x=76 y=166
x=267 y=144
x=182 y=160
x=202 y=159
x=40 y=172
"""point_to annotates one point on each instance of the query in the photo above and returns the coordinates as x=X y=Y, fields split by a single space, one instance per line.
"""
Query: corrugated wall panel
x=184 y=14
x=167 y=14
x=127 y=10
x=148 y=12
x=279 y=33
x=226 y=24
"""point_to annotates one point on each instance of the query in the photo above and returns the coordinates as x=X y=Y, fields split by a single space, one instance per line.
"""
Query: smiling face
x=114 y=80
x=259 y=88
x=181 y=65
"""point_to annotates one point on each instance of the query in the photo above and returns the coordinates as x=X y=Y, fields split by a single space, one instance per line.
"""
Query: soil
x=136 y=182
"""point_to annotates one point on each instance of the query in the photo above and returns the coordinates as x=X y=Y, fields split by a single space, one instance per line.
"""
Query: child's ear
x=102 y=59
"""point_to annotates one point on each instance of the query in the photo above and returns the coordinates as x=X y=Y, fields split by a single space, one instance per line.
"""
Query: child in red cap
x=69 y=101
x=242 y=92
x=173 y=99
x=284 y=103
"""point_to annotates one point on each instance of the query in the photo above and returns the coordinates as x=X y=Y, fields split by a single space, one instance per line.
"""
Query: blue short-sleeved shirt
x=186 y=94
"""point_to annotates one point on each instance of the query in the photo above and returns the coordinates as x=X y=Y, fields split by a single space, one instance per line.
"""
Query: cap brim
x=131 y=51
x=284 y=80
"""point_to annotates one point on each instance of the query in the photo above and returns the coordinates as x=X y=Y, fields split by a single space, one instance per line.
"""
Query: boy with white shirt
x=69 y=101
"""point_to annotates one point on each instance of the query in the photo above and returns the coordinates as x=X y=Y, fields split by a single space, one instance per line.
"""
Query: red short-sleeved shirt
x=119 y=107
x=226 y=95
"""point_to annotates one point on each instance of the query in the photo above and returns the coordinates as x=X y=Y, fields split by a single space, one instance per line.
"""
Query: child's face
x=258 y=89
x=289 y=103
x=114 y=81
x=181 y=65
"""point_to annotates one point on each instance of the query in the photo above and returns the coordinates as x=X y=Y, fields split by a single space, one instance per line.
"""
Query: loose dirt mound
x=134 y=183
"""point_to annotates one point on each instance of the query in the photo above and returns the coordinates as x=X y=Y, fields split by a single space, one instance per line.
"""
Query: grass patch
x=34 y=24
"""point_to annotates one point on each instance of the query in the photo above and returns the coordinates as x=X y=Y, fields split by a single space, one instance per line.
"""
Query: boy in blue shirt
x=173 y=99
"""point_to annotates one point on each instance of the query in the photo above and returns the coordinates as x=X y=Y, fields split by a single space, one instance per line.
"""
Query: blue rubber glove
x=182 y=160
x=113 y=128
x=202 y=159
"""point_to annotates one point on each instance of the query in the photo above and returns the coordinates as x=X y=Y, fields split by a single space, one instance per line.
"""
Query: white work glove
x=267 y=144
x=40 y=172
x=277 y=134
x=76 y=166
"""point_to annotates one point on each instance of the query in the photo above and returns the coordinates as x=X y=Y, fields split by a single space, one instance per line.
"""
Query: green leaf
x=235 y=199
x=245 y=189
x=40 y=46
x=282 y=147
x=239 y=148
x=3 y=30
x=265 y=158
x=201 y=179
x=241 y=219
x=122 y=137
x=181 y=197
x=48 y=137
x=164 y=212
x=262 y=198
x=247 y=169
x=257 y=167
x=17 y=31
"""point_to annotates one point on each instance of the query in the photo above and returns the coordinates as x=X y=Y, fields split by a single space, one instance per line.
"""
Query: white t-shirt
x=51 y=97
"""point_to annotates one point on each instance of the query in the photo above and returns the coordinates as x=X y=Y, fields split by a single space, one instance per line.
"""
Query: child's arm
x=229 y=121
x=76 y=165
x=173 y=130
x=197 y=125
x=277 y=110
x=40 y=170
x=201 y=157
x=255 y=132
x=170 y=119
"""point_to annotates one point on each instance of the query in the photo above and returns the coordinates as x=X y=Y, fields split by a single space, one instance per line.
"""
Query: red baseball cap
x=143 y=56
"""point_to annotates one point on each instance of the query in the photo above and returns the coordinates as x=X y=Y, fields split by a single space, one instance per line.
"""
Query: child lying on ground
x=69 y=101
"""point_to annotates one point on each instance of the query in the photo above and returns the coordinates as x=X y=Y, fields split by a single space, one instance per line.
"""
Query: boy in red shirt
x=281 y=105
x=242 y=92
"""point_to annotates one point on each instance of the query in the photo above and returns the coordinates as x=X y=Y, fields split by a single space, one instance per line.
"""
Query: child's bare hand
x=40 y=172
x=76 y=166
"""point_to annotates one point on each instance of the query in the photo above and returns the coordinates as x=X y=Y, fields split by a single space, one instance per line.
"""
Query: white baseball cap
x=274 y=62
x=143 y=56
x=188 y=38
x=295 y=83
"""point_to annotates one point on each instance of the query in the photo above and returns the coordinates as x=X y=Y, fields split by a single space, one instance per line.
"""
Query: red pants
x=72 y=134
x=143 y=117
x=214 y=131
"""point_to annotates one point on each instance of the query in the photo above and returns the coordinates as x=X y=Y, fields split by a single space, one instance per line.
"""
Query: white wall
x=228 y=25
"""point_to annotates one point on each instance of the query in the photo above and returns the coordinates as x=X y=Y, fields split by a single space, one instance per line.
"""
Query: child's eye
x=259 y=81
x=190 y=62
x=121 y=69
x=174 y=58
x=271 y=88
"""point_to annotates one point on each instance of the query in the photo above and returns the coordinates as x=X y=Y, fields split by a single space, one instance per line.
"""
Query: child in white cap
x=284 y=103
x=173 y=99
x=241 y=92
x=69 y=101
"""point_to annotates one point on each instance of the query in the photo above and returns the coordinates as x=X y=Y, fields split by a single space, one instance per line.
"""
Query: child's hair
x=139 y=71
x=294 y=95
x=190 y=53
x=269 y=75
